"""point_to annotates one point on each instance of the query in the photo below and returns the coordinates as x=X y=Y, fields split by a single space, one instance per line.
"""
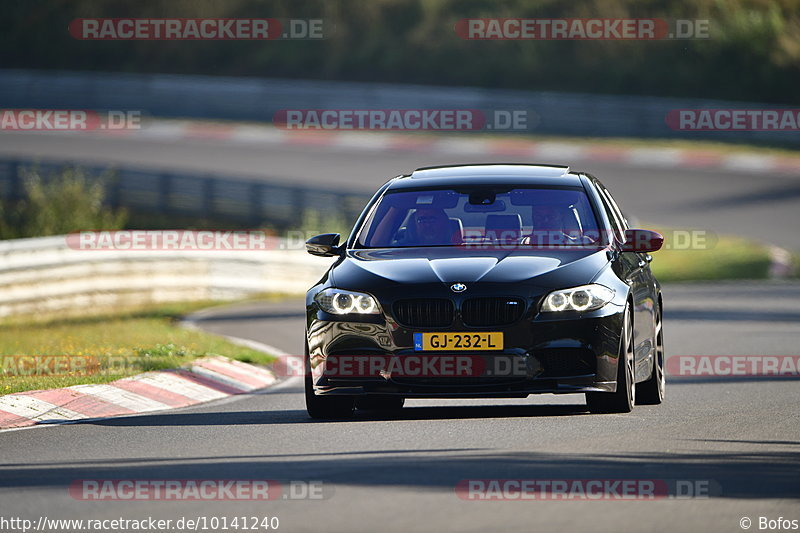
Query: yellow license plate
x=484 y=340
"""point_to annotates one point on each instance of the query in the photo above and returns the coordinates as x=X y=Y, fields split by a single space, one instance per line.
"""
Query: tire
x=622 y=400
x=652 y=391
x=380 y=403
x=325 y=407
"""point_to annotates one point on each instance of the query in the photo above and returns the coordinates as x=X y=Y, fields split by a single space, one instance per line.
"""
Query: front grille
x=424 y=312
x=492 y=311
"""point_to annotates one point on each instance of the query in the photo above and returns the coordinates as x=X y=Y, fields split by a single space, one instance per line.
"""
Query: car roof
x=487 y=174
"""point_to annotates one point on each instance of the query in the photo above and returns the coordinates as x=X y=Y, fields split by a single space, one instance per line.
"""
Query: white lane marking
x=247 y=343
x=666 y=157
x=463 y=146
x=363 y=141
x=36 y=409
x=257 y=135
x=121 y=397
x=749 y=162
x=557 y=150
x=162 y=130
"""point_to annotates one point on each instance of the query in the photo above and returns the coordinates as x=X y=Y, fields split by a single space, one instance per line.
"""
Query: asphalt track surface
x=740 y=438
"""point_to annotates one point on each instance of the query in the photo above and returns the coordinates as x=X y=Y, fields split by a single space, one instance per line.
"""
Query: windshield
x=481 y=216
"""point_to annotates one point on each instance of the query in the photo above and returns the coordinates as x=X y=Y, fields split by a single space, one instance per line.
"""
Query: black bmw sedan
x=475 y=281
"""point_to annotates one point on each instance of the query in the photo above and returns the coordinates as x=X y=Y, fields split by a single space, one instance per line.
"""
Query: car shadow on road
x=300 y=416
x=728 y=474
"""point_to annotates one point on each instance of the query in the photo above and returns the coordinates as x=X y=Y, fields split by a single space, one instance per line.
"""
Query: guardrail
x=258 y=203
x=258 y=99
x=44 y=275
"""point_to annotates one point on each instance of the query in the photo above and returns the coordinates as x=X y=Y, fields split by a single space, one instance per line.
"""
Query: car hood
x=361 y=268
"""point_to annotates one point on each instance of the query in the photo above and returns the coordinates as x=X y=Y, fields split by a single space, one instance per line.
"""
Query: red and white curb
x=373 y=141
x=202 y=380
x=384 y=141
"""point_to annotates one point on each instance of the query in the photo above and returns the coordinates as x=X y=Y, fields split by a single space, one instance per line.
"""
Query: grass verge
x=121 y=344
x=721 y=258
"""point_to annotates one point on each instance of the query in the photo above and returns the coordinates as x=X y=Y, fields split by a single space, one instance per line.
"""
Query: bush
x=67 y=201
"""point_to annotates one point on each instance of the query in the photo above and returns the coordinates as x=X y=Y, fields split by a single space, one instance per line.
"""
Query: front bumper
x=548 y=353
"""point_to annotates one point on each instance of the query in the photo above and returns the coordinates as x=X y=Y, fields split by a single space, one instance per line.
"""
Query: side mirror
x=642 y=240
x=324 y=245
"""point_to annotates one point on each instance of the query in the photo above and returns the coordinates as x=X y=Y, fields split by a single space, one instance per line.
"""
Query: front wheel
x=325 y=407
x=622 y=400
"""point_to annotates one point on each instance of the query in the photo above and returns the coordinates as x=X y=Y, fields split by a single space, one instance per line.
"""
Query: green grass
x=125 y=343
x=726 y=257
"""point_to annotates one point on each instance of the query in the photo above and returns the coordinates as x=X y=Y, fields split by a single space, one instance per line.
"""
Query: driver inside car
x=430 y=226
x=549 y=227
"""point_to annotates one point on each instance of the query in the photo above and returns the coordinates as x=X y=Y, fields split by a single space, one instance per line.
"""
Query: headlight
x=583 y=298
x=339 y=302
